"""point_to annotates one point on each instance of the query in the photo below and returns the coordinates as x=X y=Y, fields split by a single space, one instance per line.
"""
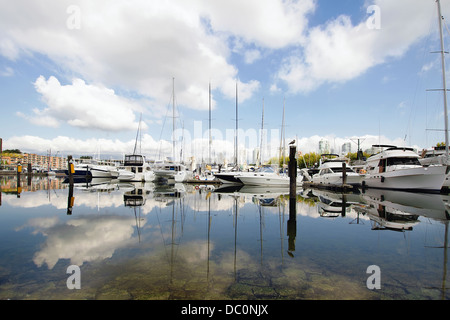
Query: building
x=346 y=148
x=324 y=147
x=37 y=161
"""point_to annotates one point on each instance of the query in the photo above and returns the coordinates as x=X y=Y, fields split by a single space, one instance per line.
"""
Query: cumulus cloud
x=339 y=50
x=82 y=240
x=84 y=106
x=137 y=45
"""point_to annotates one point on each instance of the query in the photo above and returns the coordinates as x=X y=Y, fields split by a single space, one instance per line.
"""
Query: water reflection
x=178 y=241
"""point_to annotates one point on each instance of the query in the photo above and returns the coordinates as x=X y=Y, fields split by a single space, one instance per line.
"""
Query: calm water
x=143 y=241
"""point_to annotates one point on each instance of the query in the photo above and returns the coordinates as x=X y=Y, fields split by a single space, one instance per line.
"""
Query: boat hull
x=426 y=179
x=228 y=177
x=267 y=180
x=336 y=179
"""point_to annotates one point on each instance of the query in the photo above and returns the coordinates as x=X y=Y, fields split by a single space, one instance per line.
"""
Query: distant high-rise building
x=324 y=147
x=346 y=148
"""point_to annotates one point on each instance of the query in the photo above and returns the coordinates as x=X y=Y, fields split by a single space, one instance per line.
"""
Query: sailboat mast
x=236 y=131
x=444 y=81
x=173 y=118
x=210 y=160
x=262 y=136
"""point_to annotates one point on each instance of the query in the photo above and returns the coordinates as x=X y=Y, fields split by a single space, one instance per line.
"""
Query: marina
x=265 y=205
x=139 y=240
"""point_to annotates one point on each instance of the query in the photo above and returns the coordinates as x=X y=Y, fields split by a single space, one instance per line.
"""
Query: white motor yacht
x=171 y=170
x=136 y=168
x=436 y=157
x=266 y=176
x=331 y=172
x=95 y=170
x=399 y=168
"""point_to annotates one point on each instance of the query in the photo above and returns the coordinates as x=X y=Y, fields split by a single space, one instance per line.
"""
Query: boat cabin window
x=403 y=161
x=339 y=170
x=133 y=160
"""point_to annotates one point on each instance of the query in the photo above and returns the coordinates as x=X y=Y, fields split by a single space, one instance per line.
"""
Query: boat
x=398 y=168
x=136 y=168
x=229 y=177
x=436 y=156
x=331 y=172
x=266 y=176
x=94 y=170
x=171 y=170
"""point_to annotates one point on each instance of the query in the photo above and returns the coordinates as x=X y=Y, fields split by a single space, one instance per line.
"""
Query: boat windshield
x=266 y=169
x=339 y=170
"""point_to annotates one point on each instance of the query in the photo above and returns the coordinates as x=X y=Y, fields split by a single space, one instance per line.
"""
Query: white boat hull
x=420 y=178
x=336 y=179
x=256 y=179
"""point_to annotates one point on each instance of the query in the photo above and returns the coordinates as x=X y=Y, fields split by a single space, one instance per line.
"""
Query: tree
x=12 y=151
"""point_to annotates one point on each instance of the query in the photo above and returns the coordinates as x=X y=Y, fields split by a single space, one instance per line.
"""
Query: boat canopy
x=133 y=160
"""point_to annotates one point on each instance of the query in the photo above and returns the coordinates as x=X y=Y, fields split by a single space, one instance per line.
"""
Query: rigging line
x=419 y=80
x=162 y=129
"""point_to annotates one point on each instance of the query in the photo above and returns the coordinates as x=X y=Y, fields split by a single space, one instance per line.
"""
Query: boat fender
x=382 y=179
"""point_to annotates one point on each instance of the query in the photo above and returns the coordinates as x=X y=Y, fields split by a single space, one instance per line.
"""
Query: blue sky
x=75 y=76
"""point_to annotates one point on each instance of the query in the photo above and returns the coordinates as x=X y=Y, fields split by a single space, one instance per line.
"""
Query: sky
x=81 y=77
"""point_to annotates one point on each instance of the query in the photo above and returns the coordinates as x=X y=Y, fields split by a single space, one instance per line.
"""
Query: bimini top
x=390 y=147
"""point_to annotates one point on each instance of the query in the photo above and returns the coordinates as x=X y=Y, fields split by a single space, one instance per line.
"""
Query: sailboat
x=171 y=170
x=268 y=175
x=135 y=166
x=231 y=177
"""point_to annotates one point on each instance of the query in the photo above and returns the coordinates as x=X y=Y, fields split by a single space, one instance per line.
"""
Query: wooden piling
x=70 y=172
x=19 y=171
x=70 y=169
x=292 y=172
x=292 y=222
x=344 y=173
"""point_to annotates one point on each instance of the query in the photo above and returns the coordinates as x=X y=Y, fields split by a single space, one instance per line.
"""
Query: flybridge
x=133 y=160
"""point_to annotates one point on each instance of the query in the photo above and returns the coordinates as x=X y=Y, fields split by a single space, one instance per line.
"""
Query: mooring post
x=292 y=222
x=29 y=173
x=70 y=169
x=70 y=172
x=292 y=172
x=19 y=171
x=344 y=174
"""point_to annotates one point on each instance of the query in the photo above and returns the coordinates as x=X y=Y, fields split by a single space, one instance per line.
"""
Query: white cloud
x=339 y=51
x=271 y=23
x=139 y=45
x=251 y=56
x=82 y=240
x=7 y=72
x=84 y=106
